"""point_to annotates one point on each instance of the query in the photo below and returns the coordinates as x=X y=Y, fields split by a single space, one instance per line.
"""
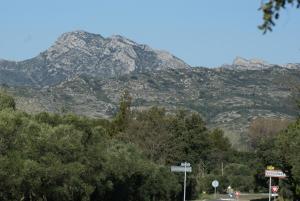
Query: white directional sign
x=185 y=167
x=181 y=169
x=275 y=173
x=185 y=164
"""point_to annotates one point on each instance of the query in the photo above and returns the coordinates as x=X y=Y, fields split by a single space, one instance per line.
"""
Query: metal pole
x=270 y=188
x=184 y=185
x=215 y=192
x=222 y=169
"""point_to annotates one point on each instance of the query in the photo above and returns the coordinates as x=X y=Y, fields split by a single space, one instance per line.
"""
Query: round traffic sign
x=274 y=189
x=215 y=183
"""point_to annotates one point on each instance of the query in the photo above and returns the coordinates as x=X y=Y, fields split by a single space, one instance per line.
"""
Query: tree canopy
x=67 y=157
x=271 y=12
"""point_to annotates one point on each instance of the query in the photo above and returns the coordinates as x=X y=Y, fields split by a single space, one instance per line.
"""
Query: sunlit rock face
x=79 y=52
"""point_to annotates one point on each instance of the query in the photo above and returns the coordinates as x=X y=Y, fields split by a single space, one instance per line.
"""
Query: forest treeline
x=66 y=157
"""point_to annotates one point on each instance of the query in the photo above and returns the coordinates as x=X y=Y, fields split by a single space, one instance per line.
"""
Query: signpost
x=184 y=167
x=271 y=172
x=215 y=184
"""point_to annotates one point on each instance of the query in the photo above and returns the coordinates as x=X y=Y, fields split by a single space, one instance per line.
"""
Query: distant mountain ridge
x=240 y=63
x=79 y=52
x=86 y=73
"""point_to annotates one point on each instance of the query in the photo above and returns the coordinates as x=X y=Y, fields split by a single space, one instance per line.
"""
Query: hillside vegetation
x=85 y=73
x=68 y=157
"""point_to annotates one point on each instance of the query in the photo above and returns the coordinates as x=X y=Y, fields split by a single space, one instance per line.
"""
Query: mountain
x=86 y=73
x=240 y=63
x=79 y=52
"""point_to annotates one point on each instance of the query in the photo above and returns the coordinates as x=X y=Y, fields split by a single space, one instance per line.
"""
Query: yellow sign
x=270 y=167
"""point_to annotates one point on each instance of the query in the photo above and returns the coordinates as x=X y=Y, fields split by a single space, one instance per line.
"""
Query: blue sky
x=201 y=32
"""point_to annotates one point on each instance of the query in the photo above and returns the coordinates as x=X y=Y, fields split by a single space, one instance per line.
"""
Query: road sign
x=274 y=189
x=274 y=194
x=185 y=167
x=185 y=164
x=215 y=183
x=275 y=173
x=180 y=169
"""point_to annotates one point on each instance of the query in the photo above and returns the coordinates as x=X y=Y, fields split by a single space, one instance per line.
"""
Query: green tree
x=129 y=176
x=149 y=130
x=196 y=139
x=240 y=177
x=288 y=146
x=120 y=122
x=265 y=129
x=67 y=157
x=271 y=11
x=6 y=101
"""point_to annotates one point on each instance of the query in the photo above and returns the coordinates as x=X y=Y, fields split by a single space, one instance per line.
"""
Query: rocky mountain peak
x=75 y=40
x=239 y=61
x=80 y=52
x=122 y=39
x=116 y=51
x=77 y=35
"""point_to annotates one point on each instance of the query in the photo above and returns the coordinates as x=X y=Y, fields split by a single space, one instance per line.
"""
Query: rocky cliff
x=79 y=52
